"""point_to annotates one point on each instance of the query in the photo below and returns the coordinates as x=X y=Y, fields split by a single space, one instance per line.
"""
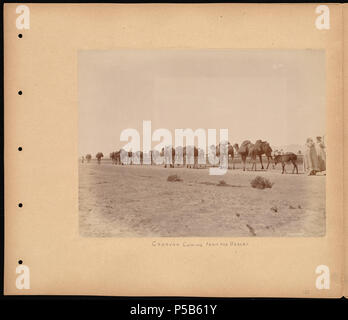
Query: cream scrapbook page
x=175 y=150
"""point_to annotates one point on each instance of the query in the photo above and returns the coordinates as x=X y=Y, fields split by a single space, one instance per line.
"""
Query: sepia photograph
x=202 y=143
x=175 y=150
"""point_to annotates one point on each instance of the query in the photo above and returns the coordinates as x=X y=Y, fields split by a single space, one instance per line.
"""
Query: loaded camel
x=116 y=157
x=193 y=157
x=230 y=152
x=169 y=156
x=88 y=158
x=260 y=148
x=243 y=150
x=99 y=156
x=248 y=149
x=181 y=155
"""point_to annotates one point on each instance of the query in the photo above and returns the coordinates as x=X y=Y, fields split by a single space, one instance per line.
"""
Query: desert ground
x=138 y=201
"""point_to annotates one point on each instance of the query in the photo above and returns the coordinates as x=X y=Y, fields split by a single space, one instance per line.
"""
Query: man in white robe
x=320 y=149
x=311 y=158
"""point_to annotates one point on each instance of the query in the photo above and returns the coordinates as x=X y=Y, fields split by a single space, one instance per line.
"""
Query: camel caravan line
x=193 y=157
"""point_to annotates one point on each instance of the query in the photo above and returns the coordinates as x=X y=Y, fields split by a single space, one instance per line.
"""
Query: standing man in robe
x=320 y=148
x=311 y=158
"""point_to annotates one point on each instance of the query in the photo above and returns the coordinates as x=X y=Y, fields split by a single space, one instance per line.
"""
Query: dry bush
x=274 y=208
x=173 y=178
x=222 y=183
x=261 y=183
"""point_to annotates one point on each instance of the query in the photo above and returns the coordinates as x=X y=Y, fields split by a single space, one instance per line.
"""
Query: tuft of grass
x=222 y=183
x=275 y=209
x=261 y=183
x=173 y=178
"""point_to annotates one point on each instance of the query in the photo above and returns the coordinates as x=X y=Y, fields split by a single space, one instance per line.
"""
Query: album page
x=175 y=150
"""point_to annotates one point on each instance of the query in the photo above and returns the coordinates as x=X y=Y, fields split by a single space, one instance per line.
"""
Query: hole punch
x=20 y=92
x=20 y=205
x=20 y=36
x=20 y=261
x=20 y=148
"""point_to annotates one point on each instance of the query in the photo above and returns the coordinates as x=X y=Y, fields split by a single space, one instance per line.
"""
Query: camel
x=179 y=156
x=253 y=151
x=146 y=157
x=121 y=156
x=166 y=153
x=140 y=156
x=116 y=156
x=243 y=150
x=99 y=155
x=286 y=158
x=230 y=152
x=201 y=157
x=154 y=154
x=260 y=148
x=124 y=154
x=182 y=155
x=113 y=157
x=190 y=156
x=130 y=155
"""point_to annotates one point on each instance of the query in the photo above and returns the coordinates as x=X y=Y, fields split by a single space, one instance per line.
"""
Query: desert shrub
x=173 y=178
x=261 y=183
x=274 y=208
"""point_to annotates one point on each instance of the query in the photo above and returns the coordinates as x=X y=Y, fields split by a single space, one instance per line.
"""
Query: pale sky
x=273 y=95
